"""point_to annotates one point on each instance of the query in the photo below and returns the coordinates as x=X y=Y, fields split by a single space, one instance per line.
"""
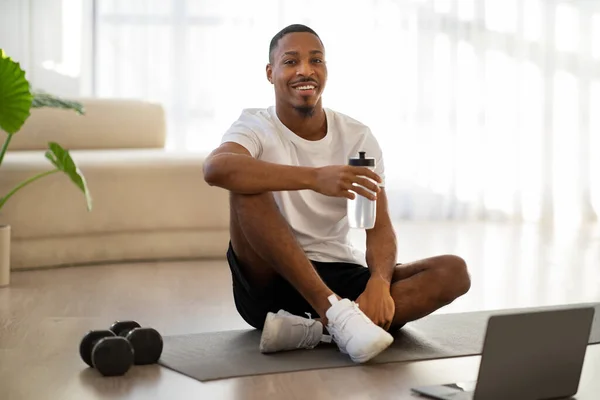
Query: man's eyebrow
x=295 y=53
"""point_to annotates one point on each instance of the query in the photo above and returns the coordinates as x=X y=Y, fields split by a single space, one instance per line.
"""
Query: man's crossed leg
x=275 y=284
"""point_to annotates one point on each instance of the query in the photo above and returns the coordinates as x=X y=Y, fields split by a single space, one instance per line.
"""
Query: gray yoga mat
x=219 y=355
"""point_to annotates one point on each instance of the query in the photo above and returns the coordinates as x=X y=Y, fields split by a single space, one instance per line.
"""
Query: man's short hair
x=289 y=29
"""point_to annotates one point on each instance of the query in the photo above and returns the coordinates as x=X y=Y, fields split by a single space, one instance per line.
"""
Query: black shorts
x=344 y=279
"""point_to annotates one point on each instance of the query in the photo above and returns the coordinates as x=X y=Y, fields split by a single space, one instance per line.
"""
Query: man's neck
x=308 y=124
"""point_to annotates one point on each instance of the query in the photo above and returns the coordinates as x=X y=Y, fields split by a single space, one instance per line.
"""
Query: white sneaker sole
x=384 y=344
x=269 y=329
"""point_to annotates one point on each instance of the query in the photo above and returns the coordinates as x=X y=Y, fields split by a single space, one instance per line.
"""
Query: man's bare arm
x=381 y=243
x=231 y=167
x=376 y=300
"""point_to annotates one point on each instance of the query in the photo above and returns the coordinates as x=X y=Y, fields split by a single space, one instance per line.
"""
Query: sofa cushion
x=132 y=191
x=120 y=247
x=107 y=124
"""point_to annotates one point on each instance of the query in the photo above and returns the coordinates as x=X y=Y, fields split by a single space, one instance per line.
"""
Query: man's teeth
x=307 y=87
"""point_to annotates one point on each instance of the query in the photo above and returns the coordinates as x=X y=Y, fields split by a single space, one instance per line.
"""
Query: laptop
x=526 y=356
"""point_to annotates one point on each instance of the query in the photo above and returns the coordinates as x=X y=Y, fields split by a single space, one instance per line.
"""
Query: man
x=286 y=170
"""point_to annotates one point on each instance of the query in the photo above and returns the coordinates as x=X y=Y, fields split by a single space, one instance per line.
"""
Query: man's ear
x=269 y=73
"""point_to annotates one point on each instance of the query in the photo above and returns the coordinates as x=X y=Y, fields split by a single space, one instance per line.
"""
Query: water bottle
x=361 y=210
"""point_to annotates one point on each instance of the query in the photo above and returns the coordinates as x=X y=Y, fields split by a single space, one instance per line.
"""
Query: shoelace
x=306 y=332
x=307 y=336
x=343 y=319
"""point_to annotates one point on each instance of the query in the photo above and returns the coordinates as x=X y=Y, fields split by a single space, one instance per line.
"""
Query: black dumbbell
x=108 y=353
x=147 y=343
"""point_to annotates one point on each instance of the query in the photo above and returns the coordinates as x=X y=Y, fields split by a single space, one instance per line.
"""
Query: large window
x=483 y=107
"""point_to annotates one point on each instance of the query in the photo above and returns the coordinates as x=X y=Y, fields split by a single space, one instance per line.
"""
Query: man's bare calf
x=424 y=286
x=264 y=242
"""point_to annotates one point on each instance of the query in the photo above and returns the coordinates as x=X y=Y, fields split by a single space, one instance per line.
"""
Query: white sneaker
x=354 y=333
x=284 y=331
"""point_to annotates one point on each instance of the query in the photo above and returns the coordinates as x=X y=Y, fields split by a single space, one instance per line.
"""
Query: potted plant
x=16 y=101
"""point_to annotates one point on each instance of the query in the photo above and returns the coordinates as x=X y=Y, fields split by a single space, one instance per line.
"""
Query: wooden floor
x=43 y=315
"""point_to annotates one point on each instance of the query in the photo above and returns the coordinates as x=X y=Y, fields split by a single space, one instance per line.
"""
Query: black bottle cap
x=361 y=160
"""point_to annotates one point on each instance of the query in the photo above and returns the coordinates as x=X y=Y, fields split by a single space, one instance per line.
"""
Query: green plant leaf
x=15 y=96
x=42 y=99
x=62 y=160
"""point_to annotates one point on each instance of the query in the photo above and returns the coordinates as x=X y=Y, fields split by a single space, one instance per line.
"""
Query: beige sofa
x=148 y=203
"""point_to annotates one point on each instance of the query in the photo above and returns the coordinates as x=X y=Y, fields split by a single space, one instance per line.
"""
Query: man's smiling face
x=297 y=70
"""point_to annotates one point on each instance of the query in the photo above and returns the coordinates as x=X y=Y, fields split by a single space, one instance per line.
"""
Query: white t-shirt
x=319 y=222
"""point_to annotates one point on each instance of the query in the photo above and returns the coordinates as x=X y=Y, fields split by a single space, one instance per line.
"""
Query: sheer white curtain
x=486 y=109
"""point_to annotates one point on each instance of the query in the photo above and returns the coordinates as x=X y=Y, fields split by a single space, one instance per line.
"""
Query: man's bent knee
x=456 y=275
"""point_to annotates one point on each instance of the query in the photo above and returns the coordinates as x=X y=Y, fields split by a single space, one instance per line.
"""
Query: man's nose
x=305 y=68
